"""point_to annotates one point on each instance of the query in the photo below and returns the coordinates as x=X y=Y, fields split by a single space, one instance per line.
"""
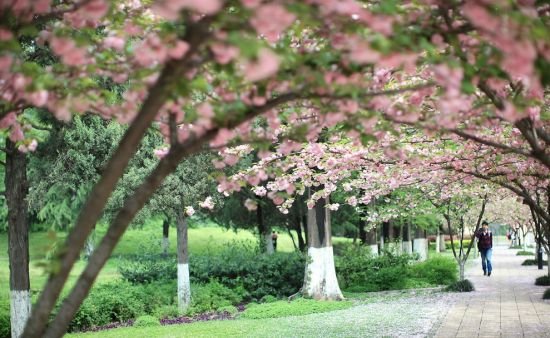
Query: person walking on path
x=485 y=246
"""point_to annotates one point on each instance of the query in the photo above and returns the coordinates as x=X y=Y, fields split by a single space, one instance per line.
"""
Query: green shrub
x=232 y=310
x=268 y=299
x=148 y=268
x=436 y=270
x=213 y=296
x=525 y=253
x=146 y=321
x=298 y=307
x=546 y=294
x=461 y=286
x=358 y=270
x=280 y=274
x=5 y=327
x=166 y=311
x=465 y=244
x=121 y=301
x=529 y=262
x=516 y=247
x=542 y=280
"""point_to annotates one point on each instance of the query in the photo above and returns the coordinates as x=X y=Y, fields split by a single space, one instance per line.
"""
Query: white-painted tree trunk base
x=268 y=242
x=165 y=245
x=90 y=246
x=184 y=287
x=420 y=246
x=20 y=310
x=381 y=245
x=407 y=247
x=320 y=277
x=461 y=270
x=442 y=247
x=374 y=249
x=437 y=245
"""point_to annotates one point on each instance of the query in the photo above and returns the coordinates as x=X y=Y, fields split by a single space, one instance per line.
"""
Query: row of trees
x=475 y=72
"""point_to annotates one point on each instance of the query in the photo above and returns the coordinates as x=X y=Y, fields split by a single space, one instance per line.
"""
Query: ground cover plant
x=525 y=253
x=529 y=262
x=297 y=307
x=543 y=280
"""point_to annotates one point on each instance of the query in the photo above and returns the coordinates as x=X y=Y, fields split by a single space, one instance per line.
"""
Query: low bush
x=166 y=311
x=5 y=327
x=516 y=247
x=465 y=243
x=146 y=321
x=213 y=296
x=121 y=301
x=436 y=270
x=529 y=262
x=358 y=270
x=461 y=286
x=147 y=268
x=298 y=307
x=546 y=294
x=279 y=275
x=525 y=253
x=542 y=280
x=232 y=310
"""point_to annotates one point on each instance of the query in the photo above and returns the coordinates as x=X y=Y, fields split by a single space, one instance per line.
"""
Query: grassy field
x=203 y=239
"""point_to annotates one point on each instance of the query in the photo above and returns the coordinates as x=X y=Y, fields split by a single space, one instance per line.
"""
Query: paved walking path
x=507 y=304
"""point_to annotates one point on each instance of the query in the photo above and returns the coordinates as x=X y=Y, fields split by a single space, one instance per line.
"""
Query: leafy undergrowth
x=546 y=294
x=461 y=286
x=297 y=307
x=529 y=262
x=543 y=280
x=525 y=253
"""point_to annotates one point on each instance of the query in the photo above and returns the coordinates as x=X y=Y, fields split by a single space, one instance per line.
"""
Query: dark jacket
x=485 y=241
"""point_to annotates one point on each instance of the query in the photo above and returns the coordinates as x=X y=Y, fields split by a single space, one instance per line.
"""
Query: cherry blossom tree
x=471 y=69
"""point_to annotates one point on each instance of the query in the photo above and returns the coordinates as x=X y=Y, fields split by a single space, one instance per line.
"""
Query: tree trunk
x=370 y=237
x=301 y=241
x=184 y=285
x=165 y=241
x=437 y=240
x=442 y=247
x=98 y=197
x=461 y=268
x=362 y=232
x=15 y=181
x=266 y=243
x=420 y=244
x=320 y=275
x=407 y=243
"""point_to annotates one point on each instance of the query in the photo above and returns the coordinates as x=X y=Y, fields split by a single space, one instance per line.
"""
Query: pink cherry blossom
x=208 y=203
x=160 y=153
x=179 y=50
x=271 y=20
x=265 y=66
x=224 y=53
x=114 y=42
x=189 y=211
x=251 y=205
